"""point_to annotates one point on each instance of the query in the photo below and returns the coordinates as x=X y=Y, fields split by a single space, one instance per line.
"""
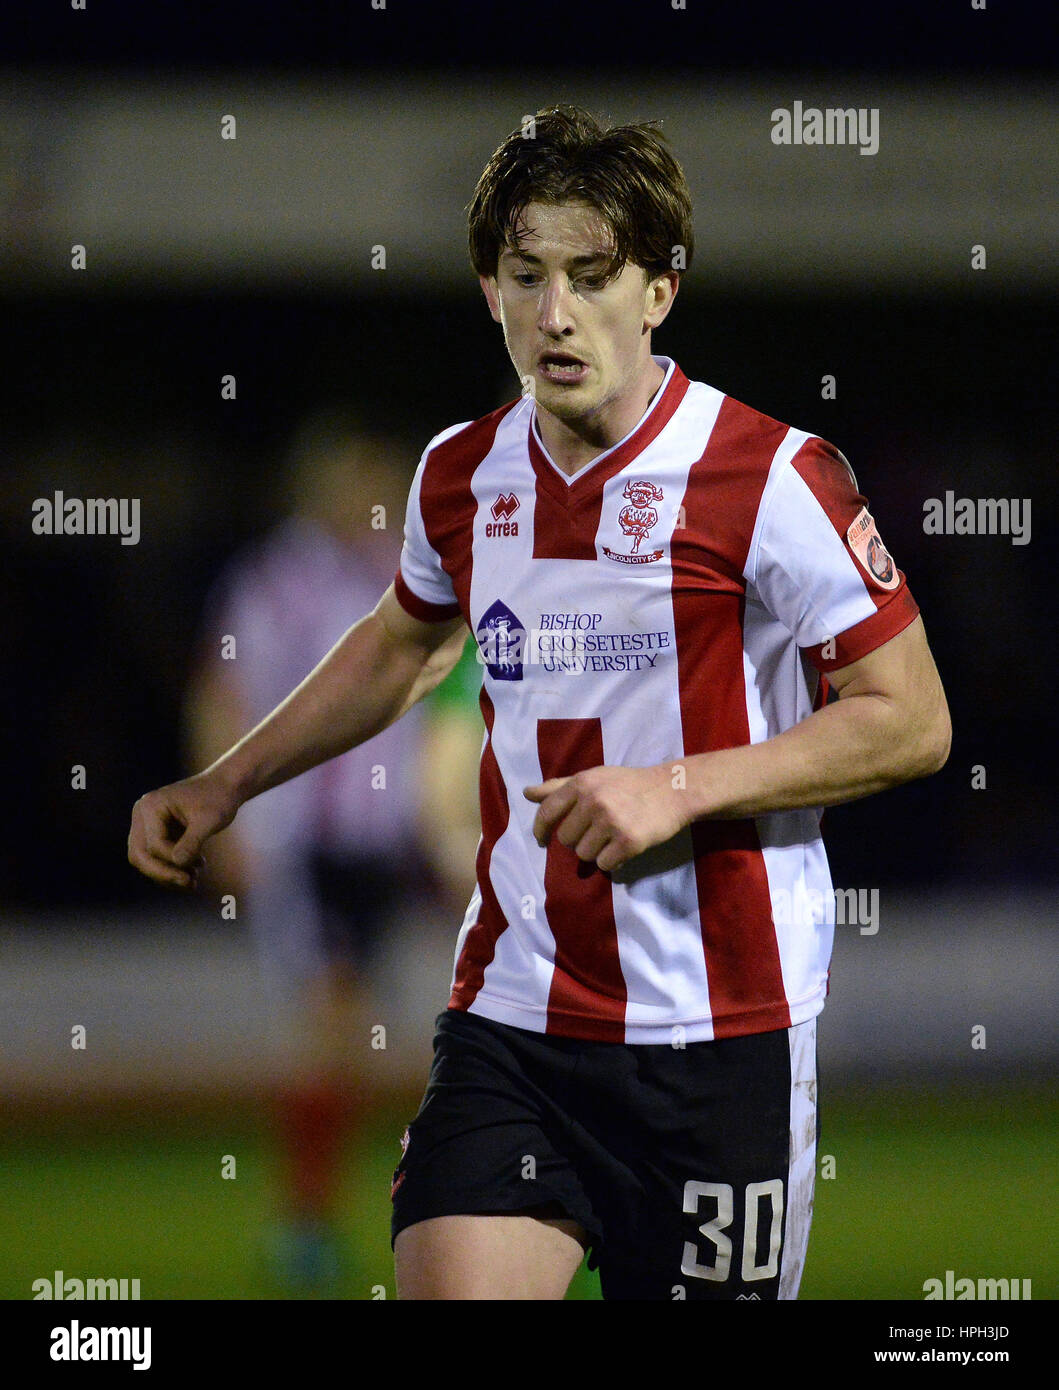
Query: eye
x=524 y=277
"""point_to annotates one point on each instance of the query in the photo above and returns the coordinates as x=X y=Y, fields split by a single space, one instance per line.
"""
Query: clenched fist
x=170 y=826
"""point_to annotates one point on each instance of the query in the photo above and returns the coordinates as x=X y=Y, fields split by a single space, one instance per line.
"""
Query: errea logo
x=503 y=509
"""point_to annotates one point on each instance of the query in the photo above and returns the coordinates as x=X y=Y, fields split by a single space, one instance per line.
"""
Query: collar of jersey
x=571 y=490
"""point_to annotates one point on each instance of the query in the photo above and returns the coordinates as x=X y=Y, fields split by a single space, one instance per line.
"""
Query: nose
x=554 y=317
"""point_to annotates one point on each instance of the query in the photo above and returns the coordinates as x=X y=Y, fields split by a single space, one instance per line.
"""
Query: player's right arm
x=373 y=675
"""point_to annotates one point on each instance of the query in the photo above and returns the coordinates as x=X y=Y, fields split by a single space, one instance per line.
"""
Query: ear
x=492 y=296
x=661 y=292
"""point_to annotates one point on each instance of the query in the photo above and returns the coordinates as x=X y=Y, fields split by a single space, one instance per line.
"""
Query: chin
x=565 y=400
x=568 y=408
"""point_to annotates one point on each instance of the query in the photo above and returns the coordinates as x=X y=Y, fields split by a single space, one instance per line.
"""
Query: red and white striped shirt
x=682 y=592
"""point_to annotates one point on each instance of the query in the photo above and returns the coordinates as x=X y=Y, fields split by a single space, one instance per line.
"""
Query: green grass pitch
x=922 y=1184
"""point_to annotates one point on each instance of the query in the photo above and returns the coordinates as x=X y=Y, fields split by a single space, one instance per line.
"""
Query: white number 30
x=714 y=1230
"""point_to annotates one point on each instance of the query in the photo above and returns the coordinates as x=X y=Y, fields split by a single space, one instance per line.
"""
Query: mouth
x=563 y=368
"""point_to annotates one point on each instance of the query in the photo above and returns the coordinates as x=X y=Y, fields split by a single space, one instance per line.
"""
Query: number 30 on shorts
x=722 y=1194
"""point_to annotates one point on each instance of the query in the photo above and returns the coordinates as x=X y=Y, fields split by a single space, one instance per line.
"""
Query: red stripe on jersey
x=738 y=937
x=448 y=505
x=479 y=945
x=562 y=532
x=419 y=608
x=827 y=473
x=872 y=633
x=566 y=515
x=708 y=555
x=579 y=906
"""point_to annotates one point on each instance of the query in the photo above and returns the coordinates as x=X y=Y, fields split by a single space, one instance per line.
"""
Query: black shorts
x=691 y=1169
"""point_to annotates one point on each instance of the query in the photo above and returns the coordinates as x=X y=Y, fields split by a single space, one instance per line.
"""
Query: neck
x=574 y=444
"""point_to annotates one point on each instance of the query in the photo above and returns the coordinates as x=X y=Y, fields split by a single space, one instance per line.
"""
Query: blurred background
x=267 y=331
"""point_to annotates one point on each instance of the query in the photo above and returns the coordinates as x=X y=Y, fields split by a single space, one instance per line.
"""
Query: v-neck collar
x=572 y=490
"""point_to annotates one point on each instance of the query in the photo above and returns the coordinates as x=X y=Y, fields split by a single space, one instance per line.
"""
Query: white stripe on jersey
x=801 y=1172
x=799 y=564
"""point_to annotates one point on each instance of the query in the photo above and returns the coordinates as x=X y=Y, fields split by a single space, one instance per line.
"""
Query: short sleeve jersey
x=686 y=591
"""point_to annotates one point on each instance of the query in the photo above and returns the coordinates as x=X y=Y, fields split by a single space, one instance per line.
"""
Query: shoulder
x=782 y=446
x=734 y=432
x=744 y=450
x=751 y=423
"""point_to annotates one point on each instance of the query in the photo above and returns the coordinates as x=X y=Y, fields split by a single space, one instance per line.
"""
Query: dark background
x=938 y=1148
x=938 y=390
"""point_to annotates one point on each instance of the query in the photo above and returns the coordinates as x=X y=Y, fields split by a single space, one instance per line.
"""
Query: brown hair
x=626 y=173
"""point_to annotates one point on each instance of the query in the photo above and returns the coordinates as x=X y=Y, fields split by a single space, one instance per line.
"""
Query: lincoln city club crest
x=637 y=520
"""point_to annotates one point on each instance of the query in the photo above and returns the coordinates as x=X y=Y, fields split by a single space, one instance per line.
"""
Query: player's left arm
x=889 y=725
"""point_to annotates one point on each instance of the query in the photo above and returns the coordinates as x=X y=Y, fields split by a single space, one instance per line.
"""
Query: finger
x=591 y=843
x=160 y=872
x=164 y=871
x=542 y=790
x=186 y=853
x=179 y=843
x=613 y=855
x=159 y=846
x=551 y=812
x=176 y=878
x=161 y=828
x=575 y=826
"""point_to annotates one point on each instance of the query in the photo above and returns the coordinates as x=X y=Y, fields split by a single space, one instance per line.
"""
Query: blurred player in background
x=325 y=867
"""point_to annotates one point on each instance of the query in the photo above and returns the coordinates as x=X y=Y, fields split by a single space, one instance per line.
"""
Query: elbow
x=941 y=743
x=944 y=743
x=914 y=747
x=938 y=753
x=931 y=748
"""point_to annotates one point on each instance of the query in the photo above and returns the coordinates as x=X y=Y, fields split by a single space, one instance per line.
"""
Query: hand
x=608 y=814
x=170 y=826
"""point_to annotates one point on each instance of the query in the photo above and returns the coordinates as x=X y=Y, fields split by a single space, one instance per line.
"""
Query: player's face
x=583 y=341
